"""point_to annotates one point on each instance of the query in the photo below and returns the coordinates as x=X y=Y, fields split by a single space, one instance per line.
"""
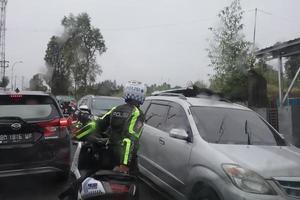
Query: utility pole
x=12 y=72
x=22 y=82
x=254 y=32
x=15 y=82
x=3 y=65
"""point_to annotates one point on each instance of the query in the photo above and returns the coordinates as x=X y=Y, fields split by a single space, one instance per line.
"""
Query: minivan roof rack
x=171 y=94
x=192 y=91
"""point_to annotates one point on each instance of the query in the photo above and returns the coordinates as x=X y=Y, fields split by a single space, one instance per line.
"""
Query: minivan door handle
x=161 y=141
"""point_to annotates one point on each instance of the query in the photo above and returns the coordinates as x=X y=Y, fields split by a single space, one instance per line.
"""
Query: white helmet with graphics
x=135 y=91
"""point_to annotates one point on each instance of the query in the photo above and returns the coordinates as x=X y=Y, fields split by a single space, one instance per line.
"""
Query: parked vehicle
x=198 y=145
x=34 y=135
x=99 y=105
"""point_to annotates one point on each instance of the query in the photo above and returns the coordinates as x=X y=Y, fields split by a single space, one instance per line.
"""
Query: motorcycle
x=95 y=178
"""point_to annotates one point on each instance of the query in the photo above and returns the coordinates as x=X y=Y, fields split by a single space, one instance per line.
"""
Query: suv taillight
x=118 y=188
x=56 y=128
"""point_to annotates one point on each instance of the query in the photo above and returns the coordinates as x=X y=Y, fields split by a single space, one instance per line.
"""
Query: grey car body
x=181 y=165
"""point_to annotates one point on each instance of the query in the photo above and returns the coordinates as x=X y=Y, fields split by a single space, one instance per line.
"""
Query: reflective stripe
x=108 y=113
x=127 y=150
x=136 y=114
x=90 y=128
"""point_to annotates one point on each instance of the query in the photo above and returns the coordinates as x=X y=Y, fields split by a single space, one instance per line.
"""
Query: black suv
x=34 y=135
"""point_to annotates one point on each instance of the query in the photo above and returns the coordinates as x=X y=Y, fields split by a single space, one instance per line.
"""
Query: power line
x=153 y=26
x=158 y=25
x=2 y=37
x=277 y=16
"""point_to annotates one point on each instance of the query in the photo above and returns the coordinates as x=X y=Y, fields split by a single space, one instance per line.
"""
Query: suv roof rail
x=170 y=94
x=192 y=91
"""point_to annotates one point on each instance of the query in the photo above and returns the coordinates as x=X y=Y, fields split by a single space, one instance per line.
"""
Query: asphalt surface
x=41 y=187
x=46 y=187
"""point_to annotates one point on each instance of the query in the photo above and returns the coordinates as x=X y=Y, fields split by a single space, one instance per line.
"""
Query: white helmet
x=136 y=91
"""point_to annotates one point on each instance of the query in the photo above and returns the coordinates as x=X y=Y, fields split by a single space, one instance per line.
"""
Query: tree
x=4 y=82
x=84 y=44
x=154 y=87
x=200 y=84
x=291 y=66
x=36 y=83
x=58 y=74
x=72 y=57
x=229 y=54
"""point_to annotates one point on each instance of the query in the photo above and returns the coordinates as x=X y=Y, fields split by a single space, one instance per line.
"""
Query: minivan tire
x=204 y=193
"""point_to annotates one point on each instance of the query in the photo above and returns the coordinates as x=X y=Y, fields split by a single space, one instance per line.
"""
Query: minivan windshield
x=234 y=126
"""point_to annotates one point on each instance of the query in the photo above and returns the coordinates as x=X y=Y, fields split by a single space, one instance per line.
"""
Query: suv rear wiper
x=247 y=132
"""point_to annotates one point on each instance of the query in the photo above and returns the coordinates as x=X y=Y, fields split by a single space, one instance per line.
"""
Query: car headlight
x=247 y=180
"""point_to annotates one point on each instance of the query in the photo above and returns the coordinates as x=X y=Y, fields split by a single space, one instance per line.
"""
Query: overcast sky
x=148 y=40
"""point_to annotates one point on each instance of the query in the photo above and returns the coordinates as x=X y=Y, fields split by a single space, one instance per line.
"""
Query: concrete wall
x=296 y=124
x=289 y=123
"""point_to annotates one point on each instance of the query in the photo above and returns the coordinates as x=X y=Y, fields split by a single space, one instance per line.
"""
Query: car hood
x=268 y=161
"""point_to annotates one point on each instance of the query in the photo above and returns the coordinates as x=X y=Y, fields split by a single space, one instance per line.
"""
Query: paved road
x=40 y=187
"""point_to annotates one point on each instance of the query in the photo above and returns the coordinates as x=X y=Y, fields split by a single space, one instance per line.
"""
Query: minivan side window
x=177 y=119
x=145 y=106
x=156 y=115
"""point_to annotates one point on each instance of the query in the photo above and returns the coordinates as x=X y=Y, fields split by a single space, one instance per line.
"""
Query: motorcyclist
x=123 y=124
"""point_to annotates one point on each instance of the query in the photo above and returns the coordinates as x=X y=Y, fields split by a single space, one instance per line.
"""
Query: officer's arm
x=99 y=124
x=130 y=142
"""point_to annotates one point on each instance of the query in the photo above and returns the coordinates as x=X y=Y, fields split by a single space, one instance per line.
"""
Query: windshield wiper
x=220 y=131
x=247 y=132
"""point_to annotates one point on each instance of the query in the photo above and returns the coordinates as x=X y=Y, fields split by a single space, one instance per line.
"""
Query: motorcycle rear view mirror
x=84 y=108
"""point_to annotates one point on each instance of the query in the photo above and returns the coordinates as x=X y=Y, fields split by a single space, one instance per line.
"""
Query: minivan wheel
x=204 y=193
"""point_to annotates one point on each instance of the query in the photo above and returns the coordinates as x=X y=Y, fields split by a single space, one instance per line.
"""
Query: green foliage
x=154 y=87
x=267 y=71
x=200 y=84
x=36 y=83
x=4 y=82
x=58 y=69
x=291 y=67
x=72 y=56
x=229 y=54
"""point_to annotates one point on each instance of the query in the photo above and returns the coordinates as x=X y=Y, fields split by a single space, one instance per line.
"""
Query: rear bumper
x=57 y=159
x=29 y=171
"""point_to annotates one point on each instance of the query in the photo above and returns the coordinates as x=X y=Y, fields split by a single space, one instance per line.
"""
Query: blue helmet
x=135 y=91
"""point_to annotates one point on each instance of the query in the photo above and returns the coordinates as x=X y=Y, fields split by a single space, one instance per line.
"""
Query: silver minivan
x=198 y=147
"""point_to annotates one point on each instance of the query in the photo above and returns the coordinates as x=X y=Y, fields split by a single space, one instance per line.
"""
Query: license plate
x=16 y=138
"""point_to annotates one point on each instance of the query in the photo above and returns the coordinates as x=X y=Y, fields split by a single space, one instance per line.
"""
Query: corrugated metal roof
x=287 y=48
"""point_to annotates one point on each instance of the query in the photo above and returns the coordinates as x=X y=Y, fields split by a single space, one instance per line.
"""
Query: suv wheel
x=204 y=193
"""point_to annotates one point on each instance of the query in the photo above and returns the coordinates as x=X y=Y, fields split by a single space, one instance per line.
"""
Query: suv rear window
x=106 y=103
x=29 y=107
x=233 y=126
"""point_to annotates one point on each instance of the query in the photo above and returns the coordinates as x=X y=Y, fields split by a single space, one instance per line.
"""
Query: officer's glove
x=122 y=169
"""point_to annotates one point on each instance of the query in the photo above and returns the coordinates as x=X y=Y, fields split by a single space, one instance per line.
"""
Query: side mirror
x=179 y=134
x=84 y=108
